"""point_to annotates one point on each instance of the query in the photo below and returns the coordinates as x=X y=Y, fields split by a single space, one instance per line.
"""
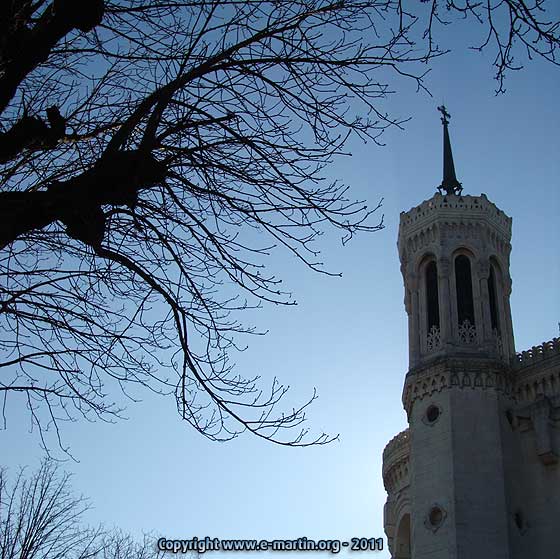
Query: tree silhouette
x=153 y=154
x=41 y=518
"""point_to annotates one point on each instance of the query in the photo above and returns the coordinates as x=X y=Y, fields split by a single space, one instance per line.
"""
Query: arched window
x=493 y=300
x=463 y=281
x=432 y=300
x=403 y=541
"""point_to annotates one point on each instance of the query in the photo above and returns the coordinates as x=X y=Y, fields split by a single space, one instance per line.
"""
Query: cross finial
x=450 y=184
x=445 y=116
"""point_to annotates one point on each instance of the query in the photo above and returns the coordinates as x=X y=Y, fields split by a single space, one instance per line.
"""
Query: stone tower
x=456 y=478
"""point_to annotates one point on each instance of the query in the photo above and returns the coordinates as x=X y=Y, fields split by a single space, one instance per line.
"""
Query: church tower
x=454 y=477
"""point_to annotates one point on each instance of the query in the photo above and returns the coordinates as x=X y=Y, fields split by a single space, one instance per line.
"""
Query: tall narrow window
x=463 y=280
x=493 y=300
x=432 y=301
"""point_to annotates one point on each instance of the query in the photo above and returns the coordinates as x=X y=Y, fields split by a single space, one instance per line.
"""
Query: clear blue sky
x=347 y=337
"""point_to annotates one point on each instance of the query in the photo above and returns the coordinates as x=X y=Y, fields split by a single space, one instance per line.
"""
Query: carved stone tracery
x=433 y=340
x=467 y=333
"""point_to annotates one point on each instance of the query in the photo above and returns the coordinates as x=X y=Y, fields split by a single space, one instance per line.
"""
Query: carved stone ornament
x=433 y=340
x=467 y=332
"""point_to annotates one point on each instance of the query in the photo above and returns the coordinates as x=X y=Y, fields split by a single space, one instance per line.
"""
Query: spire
x=450 y=184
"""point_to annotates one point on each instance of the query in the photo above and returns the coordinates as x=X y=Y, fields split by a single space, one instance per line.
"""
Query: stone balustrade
x=444 y=207
x=396 y=462
x=537 y=372
x=537 y=353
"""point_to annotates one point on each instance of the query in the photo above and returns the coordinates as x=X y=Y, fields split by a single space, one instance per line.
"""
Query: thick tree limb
x=78 y=202
x=24 y=48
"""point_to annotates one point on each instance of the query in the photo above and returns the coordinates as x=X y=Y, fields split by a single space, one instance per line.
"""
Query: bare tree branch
x=40 y=518
x=154 y=154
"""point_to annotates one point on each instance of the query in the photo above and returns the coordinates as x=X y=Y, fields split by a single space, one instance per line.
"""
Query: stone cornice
x=396 y=458
x=468 y=373
x=452 y=208
x=397 y=445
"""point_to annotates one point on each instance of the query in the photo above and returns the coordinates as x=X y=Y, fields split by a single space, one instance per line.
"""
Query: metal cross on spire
x=450 y=184
x=445 y=116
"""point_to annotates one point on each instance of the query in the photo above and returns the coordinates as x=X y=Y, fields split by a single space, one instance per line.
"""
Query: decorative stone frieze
x=448 y=373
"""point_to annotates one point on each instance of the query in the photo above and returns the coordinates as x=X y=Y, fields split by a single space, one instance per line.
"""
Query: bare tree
x=154 y=153
x=40 y=518
x=119 y=545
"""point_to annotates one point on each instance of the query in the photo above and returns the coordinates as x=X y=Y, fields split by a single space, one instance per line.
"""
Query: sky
x=347 y=337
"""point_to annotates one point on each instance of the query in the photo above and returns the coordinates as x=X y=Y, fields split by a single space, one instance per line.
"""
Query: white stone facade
x=477 y=472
